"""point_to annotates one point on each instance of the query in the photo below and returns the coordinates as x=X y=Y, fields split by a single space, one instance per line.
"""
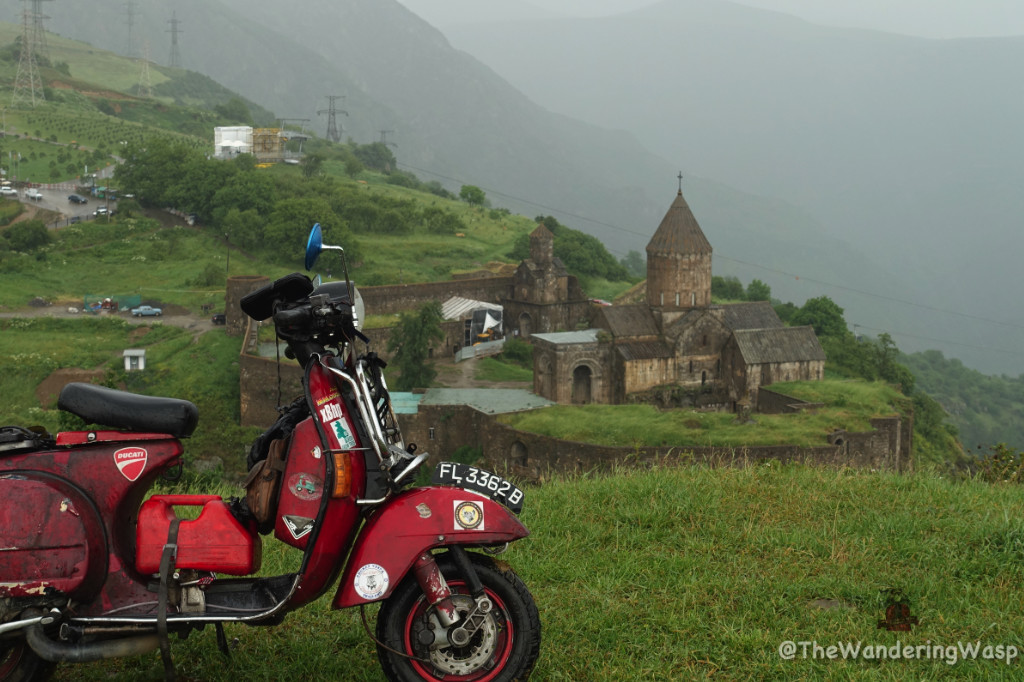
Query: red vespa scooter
x=89 y=571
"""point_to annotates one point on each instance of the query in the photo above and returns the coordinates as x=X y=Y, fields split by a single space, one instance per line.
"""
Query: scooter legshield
x=414 y=522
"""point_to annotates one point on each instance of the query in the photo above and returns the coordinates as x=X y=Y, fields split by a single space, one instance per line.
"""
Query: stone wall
x=440 y=430
x=237 y=287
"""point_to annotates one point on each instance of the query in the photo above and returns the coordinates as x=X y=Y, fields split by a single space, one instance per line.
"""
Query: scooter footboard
x=415 y=522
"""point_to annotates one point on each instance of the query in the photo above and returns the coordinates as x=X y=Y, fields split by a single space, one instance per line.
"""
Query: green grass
x=493 y=369
x=849 y=406
x=696 y=573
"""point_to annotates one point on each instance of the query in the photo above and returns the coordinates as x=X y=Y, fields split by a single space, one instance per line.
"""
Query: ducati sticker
x=297 y=525
x=371 y=581
x=131 y=462
x=468 y=515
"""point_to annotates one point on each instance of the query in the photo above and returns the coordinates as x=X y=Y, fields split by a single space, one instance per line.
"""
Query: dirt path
x=177 y=318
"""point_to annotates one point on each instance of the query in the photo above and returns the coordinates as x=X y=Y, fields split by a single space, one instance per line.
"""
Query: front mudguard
x=414 y=522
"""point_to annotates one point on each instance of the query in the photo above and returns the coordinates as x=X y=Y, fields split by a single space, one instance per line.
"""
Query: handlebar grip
x=296 y=317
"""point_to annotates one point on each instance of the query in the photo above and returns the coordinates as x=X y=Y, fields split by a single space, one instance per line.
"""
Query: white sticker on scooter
x=469 y=515
x=297 y=525
x=131 y=462
x=371 y=581
x=345 y=438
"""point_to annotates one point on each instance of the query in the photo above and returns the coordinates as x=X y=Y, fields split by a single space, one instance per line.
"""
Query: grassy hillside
x=694 y=573
x=848 y=405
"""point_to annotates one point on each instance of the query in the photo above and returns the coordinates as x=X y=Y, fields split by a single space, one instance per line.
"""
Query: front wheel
x=504 y=649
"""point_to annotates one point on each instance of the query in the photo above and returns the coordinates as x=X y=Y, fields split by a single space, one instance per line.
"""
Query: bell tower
x=678 y=263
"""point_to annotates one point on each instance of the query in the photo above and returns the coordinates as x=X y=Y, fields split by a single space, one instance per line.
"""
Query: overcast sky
x=924 y=18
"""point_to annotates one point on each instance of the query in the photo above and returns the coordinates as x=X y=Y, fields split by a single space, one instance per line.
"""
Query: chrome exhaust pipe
x=67 y=652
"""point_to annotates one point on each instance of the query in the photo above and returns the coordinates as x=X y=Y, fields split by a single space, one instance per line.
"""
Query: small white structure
x=230 y=141
x=134 y=359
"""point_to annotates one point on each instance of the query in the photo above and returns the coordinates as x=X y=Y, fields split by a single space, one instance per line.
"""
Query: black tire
x=18 y=663
x=505 y=650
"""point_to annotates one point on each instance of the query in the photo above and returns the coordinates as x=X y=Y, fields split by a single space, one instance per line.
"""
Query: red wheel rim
x=502 y=645
x=10 y=657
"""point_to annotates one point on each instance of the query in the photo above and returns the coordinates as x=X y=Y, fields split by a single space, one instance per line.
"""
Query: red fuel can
x=215 y=541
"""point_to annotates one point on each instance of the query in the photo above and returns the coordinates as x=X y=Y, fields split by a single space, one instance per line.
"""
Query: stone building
x=543 y=296
x=677 y=348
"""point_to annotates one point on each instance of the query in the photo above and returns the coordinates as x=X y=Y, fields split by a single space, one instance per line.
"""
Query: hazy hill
x=908 y=148
x=456 y=120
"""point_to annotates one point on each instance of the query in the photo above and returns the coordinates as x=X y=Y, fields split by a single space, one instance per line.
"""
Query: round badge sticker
x=371 y=581
x=469 y=515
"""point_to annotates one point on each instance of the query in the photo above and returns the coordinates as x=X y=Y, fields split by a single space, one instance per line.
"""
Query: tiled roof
x=786 y=344
x=758 y=315
x=679 y=232
x=644 y=350
x=629 y=320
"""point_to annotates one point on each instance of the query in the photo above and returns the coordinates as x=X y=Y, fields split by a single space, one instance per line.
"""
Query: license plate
x=480 y=481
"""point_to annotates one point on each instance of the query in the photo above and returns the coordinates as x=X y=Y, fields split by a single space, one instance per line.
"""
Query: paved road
x=57 y=200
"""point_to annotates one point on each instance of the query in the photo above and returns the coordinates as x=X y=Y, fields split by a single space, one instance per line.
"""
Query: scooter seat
x=129 y=411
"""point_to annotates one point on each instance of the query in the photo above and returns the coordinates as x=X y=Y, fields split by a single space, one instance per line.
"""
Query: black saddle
x=129 y=411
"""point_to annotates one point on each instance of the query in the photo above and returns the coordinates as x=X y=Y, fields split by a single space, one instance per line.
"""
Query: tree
x=410 y=342
x=26 y=236
x=824 y=315
x=313 y=164
x=473 y=195
x=635 y=264
x=727 y=288
x=758 y=291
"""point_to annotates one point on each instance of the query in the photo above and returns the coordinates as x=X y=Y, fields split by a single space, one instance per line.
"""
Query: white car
x=33 y=194
x=8 y=191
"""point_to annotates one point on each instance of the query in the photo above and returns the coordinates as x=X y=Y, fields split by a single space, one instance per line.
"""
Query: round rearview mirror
x=314 y=246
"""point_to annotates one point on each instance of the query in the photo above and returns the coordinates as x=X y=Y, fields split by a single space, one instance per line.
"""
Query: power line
x=943 y=341
x=618 y=228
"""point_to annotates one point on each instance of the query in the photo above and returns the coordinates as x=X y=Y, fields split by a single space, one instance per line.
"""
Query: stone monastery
x=676 y=349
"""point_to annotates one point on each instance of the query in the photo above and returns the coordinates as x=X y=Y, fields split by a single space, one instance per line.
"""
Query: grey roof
x=489 y=400
x=786 y=344
x=629 y=320
x=584 y=336
x=757 y=315
x=457 y=307
x=679 y=232
x=644 y=350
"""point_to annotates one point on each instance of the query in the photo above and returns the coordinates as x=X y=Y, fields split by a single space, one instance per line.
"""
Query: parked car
x=33 y=194
x=77 y=199
x=147 y=311
x=101 y=211
x=75 y=219
x=8 y=191
x=219 y=318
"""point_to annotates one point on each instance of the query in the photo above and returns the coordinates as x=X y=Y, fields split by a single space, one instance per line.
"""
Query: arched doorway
x=519 y=455
x=581 y=385
x=525 y=326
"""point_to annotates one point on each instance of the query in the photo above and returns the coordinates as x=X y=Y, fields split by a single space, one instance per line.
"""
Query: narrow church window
x=431 y=433
x=691 y=366
x=693 y=299
x=662 y=300
x=677 y=299
x=703 y=378
x=704 y=341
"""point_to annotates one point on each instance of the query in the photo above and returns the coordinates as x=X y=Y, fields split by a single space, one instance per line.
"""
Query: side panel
x=112 y=474
x=411 y=523
x=51 y=538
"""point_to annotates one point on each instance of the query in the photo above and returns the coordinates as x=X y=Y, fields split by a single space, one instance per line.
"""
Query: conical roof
x=679 y=232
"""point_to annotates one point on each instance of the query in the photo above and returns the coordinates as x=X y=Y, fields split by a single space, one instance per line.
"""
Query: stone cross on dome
x=680 y=182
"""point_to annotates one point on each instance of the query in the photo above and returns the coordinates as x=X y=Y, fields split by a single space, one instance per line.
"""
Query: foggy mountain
x=456 y=120
x=908 y=148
